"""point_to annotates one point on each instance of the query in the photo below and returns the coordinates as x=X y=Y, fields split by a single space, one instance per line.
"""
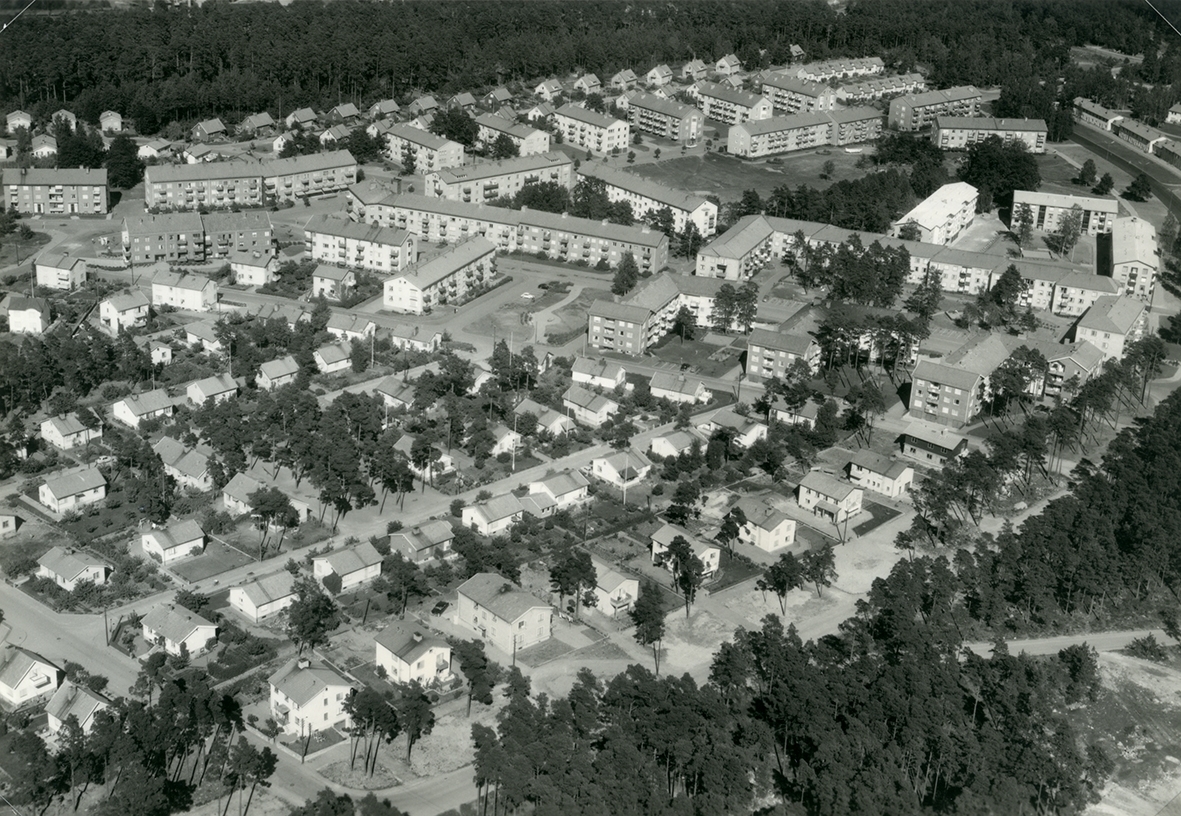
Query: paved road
x=1099 y=641
x=1164 y=178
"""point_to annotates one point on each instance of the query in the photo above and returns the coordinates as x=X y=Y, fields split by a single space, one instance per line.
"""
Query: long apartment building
x=221 y=185
x=529 y=141
x=634 y=324
x=871 y=90
x=918 y=111
x=666 y=118
x=790 y=94
x=1134 y=260
x=648 y=197
x=1047 y=210
x=1139 y=135
x=428 y=151
x=941 y=216
x=188 y=236
x=359 y=246
x=1094 y=114
x=46 y=191
x=784 y=134
x=729 y=105
x=445 y=278
x=592 y=131
x=560 y=236
x=477 y=183
x=840 y=68
x=961 y=132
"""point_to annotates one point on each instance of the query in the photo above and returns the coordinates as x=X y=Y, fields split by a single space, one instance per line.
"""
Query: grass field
x=572 y=316
x=727 y=177
x=703 y=358
x=216 y=559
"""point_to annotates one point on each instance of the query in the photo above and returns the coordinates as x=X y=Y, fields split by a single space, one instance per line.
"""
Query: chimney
x=303 y=663
x=417 y=637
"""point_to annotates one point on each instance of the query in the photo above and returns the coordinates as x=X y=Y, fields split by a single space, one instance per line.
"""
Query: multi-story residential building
x=871 y=90
x=961 y=132
x=359 y=246
x=773 y=353
x=1112 y=324
x=228 y=232
x=428 y=152
x=559 y=236
x=120 y=312
x=507 y=617
x=831 y=499
x=46 y=191
x=1092 y=113
x=648 y=313
x=918 y=111
x=60 y=271
x=790 y=94
x=855 y=125
x=738 y=253
x=302 y=177
x=1076 y=292
x=446 y=278
x=840 y=69
x=174 y=238
x=212 y=185
x=952 y=391
x=784 y=134
x=196 y=293
x=666 y=118
x=649 y=196
x=941 y=216
x=308 y=696
x=1047 y=209
x=529 y=141
x=729 y=105
x=1135 y=257
x=590 y=130
x=478 y=183
x=1139 y=135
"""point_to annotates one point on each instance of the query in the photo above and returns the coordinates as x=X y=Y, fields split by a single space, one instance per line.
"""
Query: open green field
x=216 y=559
x=727 y=177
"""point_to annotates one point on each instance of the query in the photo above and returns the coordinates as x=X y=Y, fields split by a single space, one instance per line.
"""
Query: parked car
x=439 y=608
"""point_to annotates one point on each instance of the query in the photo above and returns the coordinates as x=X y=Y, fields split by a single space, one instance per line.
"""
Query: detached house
x=26 y=676
x=494 y=516
x=409 y=655
x=193 y=292
x=190 y=467
x=308 y=696
x=72 y=489
x=355 y=565
x=123 y=312
x=136 y=408
x=67 y=431
x=73 y=700
x=218 y=389
x=426 y=542
x=332 y=282
x=659 y=76
x=209 y=129
x=881 y=474
x=662 y=539
x=264 y=597
x=566 y=490
x=728 y=65
x=27 y=315
x=68 y=568
x=622 y=469
x=624 y=80
x=678 y=388
x=178 y=630
x=932 y=445
x=333 y=358
x=743 y=430
x=588 y=84
x=831 y=499
x=597 y=372
x=588 y=407
x=548 y=419
x=346 y=112
x=615 y=593
x=502 y=614
x=277 y=373
x=178 y=540
x=766 y=527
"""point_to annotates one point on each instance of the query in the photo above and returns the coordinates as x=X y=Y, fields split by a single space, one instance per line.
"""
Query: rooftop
x=73 y=482
x=826 y=485
x=353 y=559
x=495 y=169
x=174 y=623
x=303 y=679
x=933 y=211
x=446 y=264
x=69 y=564
x=499 y=596
x=632 y=183
x=1114 y=315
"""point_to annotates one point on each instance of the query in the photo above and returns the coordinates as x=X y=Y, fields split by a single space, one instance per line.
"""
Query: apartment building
x=1134 y=259
x=1077 y=291
x=773 y=353
x=800 y=131
x=561 y=237
x=1094 y=114
x=591 y=131
x=855 y=125
x=179 y=187
x=359 y=246
x=478 y=183
x=529 y=141
x=729 y=105
x=1139 y=135
x=306 y=176
x=446 y=278
x=790 y=94
x=47 y=191
x=1112 y=324
x=648 y=197
x=174 y=237
x=195 y=293
x=941 y=216
x=961 y=132
x=918 y=111
x=1168 y=151
x=1047 y=209
x=60 y=271
x=952 y=391
x=229 y=232
x=871 y=90
x=840 y=69
x=666 y=118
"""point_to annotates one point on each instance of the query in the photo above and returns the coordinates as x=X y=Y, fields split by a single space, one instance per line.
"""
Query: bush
x=457 y=507
x=393 y=526
x=1148 y=648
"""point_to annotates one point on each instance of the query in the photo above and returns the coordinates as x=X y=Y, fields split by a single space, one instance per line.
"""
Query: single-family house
x=9 y=522
x=383 y=109
x=597 y=372
x=74 y=700
x=26 y=676
x=136 y=408
x=44 y=146
x=203 y=334
x=589 y=84
x=277 y=373
x=494 y=516
x=588 y=407
x=728 y=65
x=881 y=474
x=308 y=696
x=258 y=123
x=410 y=655
x=676 y=442
x=445 y=463
x=178 y=630
x=264 y=596
x=60 y=271
x=497 y=97
x=548 y=419
x=804 y=415
x=67 y=568
x=155 y=149
x=18 y=119
x=624 y=80
x=178 y=540
x=209 y=129
x=659 y=76
x=566 y=489
x=110 y=122
x=615 y=593
x=662 y=539
x=744 y=431
x=694 y=70
x=396 y=392
x=355 y=565
x=218 y=388
x=676 y=387
x=332 y=282
x=346 y=326
x=344 y=112
x=766 y=526
x=548 y=89
x=623 y=469
x=188 y=466
x=67 y=431
x=428 y=541
x=333 y=358
x=334 y=134
x=424 y=104
x=304 y=117
x=72 y=489
x=932 y=445
x=27 y=315
x=507 y=440
x=829 y=498
x=121 y=312
x=500 y=613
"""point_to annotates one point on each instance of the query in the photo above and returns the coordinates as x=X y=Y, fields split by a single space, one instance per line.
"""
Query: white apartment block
x=800 y=131
x=666 y=118
x=1047 y=209
x=1135 y=257
x=724 y=104
x=918 y=111
x=961 y=132
x=478 y=183
x=529 y=141
x=790 y=94
x=446 y=278
x=591 y=131
x=941 y=216
x=221 y=185
x=430 y=152
x=648 y=196
x=63 y=191
x=359 y=246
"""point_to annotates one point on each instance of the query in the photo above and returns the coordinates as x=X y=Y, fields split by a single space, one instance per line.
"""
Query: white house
x=72 y=489
x=679 y=388
x=67 y=431
x=178 y=630
x=548 y=419
x=333 y=358
x=122 y=312
x=425 y=542
x=308 y=696
x=622 y=469
x=494 y=516
x=26 y=676
x=567 y=489
x=332 y=282
x=745 y=431
x=68 y=568
x=73 y=700
x=195 y=293
x=710 y=555
x=253 y=268
x=345 y=326
x=829 y=498
x=189 y=466
x=588 y=407
x=507 y=440
x=265 y=596
x=204 y=335
x=110 y=121
x=614 y=591
x=410 y=655
x=63 y=272
x=500 y=613
x=174 y=542
x=27 y=315
x=766 y=527
x=881 y=474
x=597 y=372
x=276 y=373
x=355 y=565
x=218 y=388
x=136 y=408
x=676 y=443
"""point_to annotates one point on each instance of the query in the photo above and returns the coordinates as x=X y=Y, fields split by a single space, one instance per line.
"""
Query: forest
x=164 y=64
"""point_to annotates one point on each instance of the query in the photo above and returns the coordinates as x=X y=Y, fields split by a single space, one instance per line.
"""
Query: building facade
x=961 y=132
x=370 y=247
x=590 y=130
x=478 y=183
x=446 y=278
x=45 y=191
x=918 y=111
x=666 y=118
x=729 y=105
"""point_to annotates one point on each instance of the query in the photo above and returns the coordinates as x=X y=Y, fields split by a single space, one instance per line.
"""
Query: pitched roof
x=213 y=386
x=499 y=596
x=585 y=115
x=67 y=424
x=279 y=368
x=587 y=399
x=73 y=700
x=128 y=302
x=174 y=623
x=69 y=564
x=826 y=485
x=442 y=266
x=632 y=183
x=619 y=311
x=886 y=466
x=324 y=224
x=353 y=559
x=665 y=534
x=597 y=367
x=936 y=372
x=1115 y=315
x=73 y=482
x=627 y=463
x=300 y=683
x=727 y=94
x=760 y=512
x=667 y=107
x=499 y=507
x=423 y=536
x=49 y=176
x=407 y=643
x=179 y=533
x=335 y=353
x=495 y=169
x=16 y=662
x=270 y=588
x=932 y=211
x=418 y=136
x=677 y=383
x=569 y=481
x=797 y=344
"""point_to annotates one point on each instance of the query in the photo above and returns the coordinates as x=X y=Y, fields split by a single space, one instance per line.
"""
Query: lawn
x=879 y=515
x=727 y=177
x=571 y=318
x=706 y=359
x=216 y=559
x=16 y=250
x=542 y=653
